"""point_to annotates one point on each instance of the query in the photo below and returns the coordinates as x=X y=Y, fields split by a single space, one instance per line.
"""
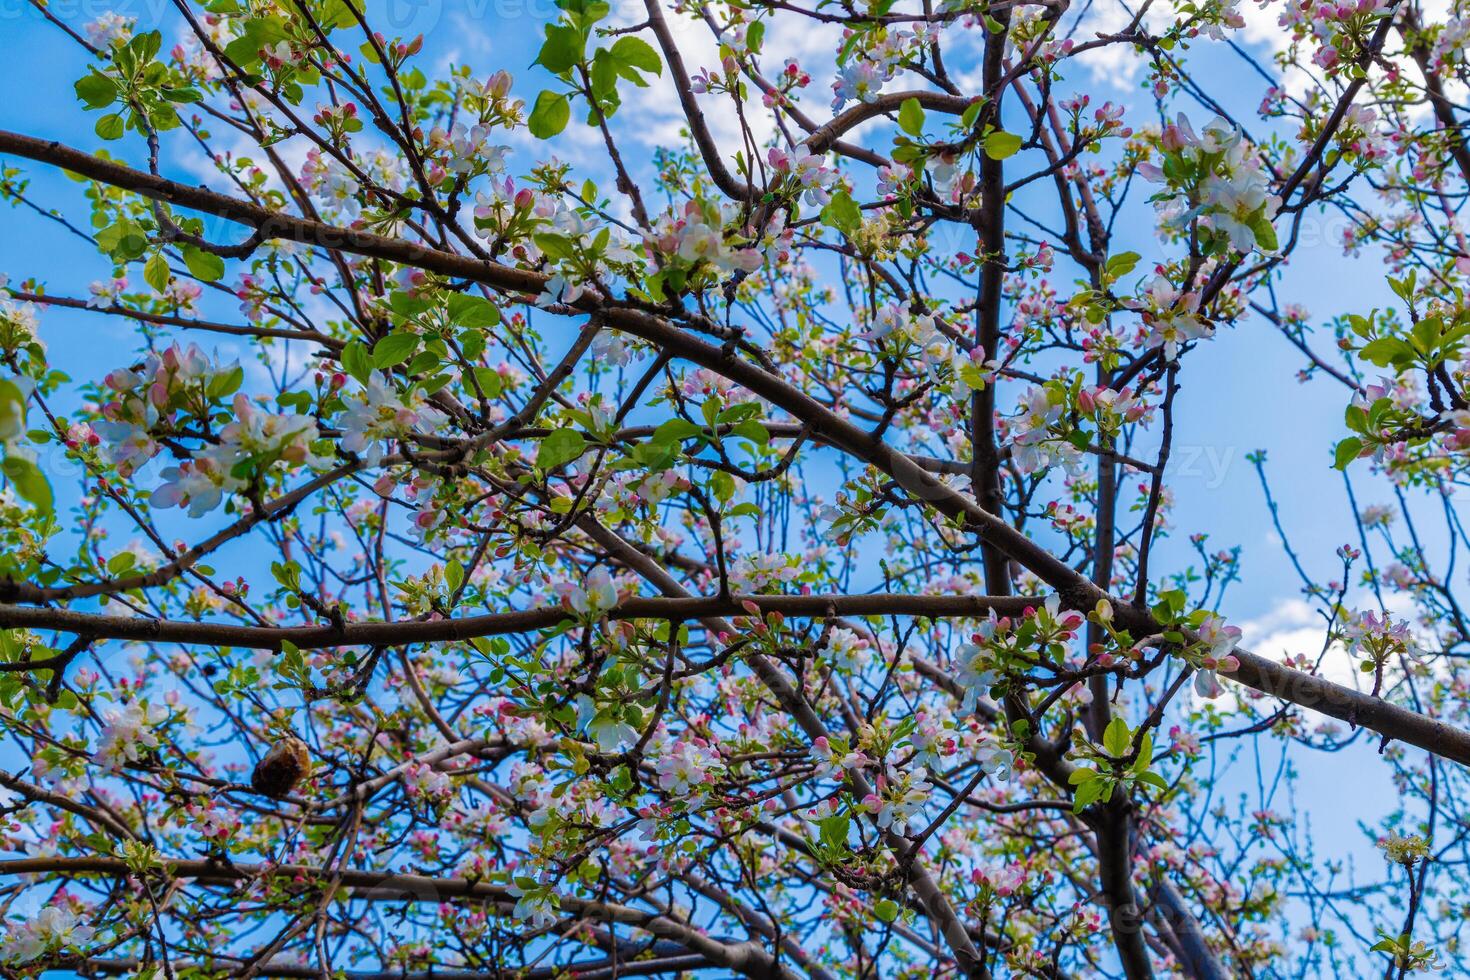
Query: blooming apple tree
x=703 y=506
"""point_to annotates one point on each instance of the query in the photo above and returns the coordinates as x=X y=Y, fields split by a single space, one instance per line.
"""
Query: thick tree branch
x=406 y=632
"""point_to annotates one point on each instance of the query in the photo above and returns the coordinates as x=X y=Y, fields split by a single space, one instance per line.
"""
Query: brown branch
x=136 y=628
x=189 y=323
x=747 y=958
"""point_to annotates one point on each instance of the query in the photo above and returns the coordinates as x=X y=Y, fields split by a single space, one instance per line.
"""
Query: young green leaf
x=559 y=448
x=1000 y=144
x=29 y=482
x=469 y=310
x=203 y=265
x=1115 y=737
x=110 y=126
x=550 y=115
x=842 y=213
x=394 y=349
x=635 y=52
x=1347 y=451
x=156 y=272
x=911 y=117
x=357 y=361
x=96 y=90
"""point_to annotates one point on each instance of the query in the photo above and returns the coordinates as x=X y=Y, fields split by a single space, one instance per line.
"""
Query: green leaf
x=1346 y=451
x=424 y=362
x=842 y=213
x=554 y=246
x=550 y=115
x=1388 y=350
x=834 y=829
x=1145 y=753
x=472 y=343
x=652 y=455
x=675 y=430
x=1122 y=264
x=110 y=126
x=358 y=363
x=1425 y=334
x=559 y=448
x=225 y=384
x=886 y=909
x=28 y=481
x=257 y=33
x=287 y=573
x=394 y=349
x=123 y=240
x=637 y=53
x=1154 y=779
x=407 y=306
x=723 y=486
x=1115 y=737
x=1265 y=232
x=146 y=46
x=1000 y=144
x=491 y=383
x=1087 y=793
x=604 y=78
x=584 y=14
x=453 y=575
x=755 y=36
x=561 y=50
x=96 y=90
x=203 y=265
x=752 y=430
x=911 y=117
x=156 y=272
x=469 y=310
